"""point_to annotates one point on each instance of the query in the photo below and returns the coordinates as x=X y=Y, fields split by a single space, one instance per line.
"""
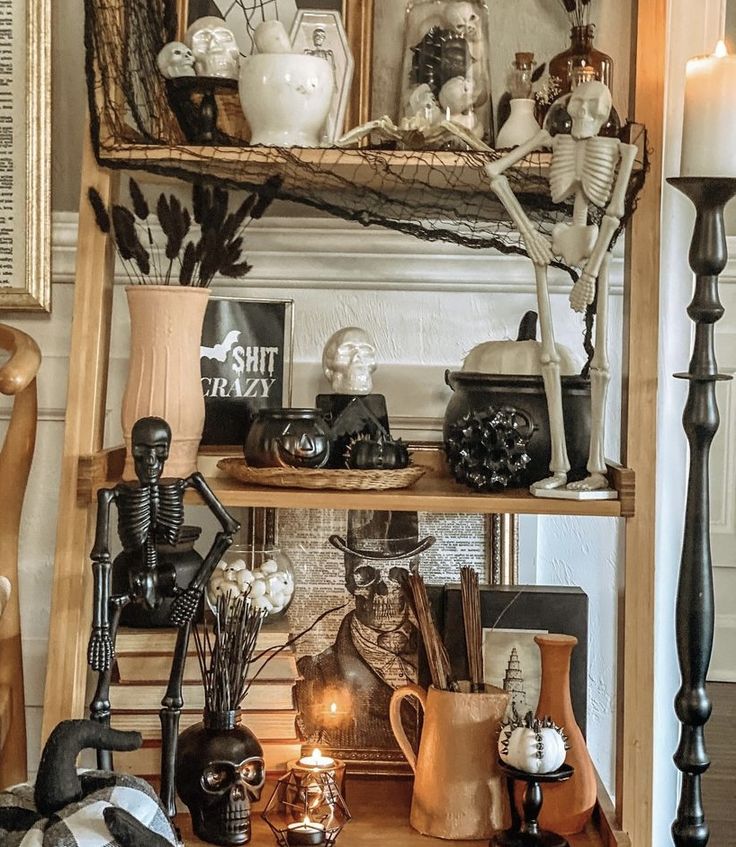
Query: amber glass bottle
x=581 y=54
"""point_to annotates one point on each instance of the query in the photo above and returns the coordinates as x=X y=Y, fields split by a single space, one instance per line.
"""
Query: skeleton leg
x=100 y=707
x=172 y=704
x=559 y=462
x=600 y=376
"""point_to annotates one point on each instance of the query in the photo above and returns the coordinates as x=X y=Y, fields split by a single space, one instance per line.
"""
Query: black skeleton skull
x=151 y=440
x=219 y=776
x=378 y=588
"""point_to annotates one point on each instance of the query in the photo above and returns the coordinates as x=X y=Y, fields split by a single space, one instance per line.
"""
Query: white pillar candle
x=709 y=127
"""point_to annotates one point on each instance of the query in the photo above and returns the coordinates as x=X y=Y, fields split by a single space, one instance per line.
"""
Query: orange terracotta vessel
x=567 y=806
x=164 y=374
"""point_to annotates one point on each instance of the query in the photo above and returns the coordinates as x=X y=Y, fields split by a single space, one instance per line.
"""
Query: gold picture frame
x=34 y=294
x=357 y=17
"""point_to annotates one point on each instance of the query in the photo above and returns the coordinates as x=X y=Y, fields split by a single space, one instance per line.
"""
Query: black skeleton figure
x=150 y=514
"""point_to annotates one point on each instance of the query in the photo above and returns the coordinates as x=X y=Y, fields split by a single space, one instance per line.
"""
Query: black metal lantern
x=306 y=800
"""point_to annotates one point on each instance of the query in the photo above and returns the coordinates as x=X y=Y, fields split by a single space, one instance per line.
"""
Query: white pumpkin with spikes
x=533 y=745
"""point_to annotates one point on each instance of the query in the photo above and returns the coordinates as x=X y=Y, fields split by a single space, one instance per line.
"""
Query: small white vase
x=520 y=126
x=286 y=98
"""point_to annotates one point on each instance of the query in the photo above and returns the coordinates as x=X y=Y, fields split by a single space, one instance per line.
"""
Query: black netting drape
x=137 y=124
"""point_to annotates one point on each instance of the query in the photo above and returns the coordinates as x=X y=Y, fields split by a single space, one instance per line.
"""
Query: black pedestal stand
x=695 y=605
x=529 y=834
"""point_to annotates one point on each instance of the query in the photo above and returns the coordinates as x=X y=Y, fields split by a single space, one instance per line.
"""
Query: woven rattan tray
x=346 y=480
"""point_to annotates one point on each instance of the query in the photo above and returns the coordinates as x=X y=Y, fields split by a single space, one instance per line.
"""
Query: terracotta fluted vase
x=567 y=806
x=164 y=373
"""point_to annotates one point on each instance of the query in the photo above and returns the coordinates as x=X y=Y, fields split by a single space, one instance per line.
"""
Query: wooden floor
x=719 y=785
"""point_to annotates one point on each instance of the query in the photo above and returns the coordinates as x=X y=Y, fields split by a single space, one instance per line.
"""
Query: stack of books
x=144 y=659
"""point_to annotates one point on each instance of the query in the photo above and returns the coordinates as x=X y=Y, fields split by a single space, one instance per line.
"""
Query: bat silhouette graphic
x=220 y=351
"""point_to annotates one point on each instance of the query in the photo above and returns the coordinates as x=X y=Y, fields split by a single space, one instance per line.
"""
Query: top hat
x=382 y=535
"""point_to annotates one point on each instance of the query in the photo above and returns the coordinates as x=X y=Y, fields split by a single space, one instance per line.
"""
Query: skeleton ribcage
x=590 y=165
x=143 y=510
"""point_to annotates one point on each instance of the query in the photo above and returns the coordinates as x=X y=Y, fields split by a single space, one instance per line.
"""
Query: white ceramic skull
x=214 y=47
x=349 y=361
x=589 y=108
x=463 y=18
x=423 y=105
x=175 y=60
x=271 y=37
x=458 y=95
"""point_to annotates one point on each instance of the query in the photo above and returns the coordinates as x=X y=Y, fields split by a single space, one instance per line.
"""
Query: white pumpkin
x=532 y=745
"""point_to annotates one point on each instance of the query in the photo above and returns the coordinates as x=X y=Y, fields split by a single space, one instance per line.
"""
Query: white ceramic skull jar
x=175 y=60
x=349 y=361
x=214 y=47
x=589 y=108
x=463 y=18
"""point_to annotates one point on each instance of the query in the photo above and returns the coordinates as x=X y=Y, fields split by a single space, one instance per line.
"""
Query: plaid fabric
x=80 y=824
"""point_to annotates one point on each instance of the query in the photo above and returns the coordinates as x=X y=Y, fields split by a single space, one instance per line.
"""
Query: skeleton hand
x=538 y=248
x=184 y=607
x=583 y=292
x=99 y=651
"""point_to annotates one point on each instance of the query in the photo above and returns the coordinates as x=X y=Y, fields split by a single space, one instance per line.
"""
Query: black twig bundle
x=578 y=11
x=437 y=658
x=470 y=591
x=225 y=651
x=217 y=249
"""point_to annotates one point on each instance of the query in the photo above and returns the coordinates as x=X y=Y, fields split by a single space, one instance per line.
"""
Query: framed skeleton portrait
x=25 y=161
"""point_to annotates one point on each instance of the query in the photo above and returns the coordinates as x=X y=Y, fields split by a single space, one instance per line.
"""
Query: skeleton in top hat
x=375 y=651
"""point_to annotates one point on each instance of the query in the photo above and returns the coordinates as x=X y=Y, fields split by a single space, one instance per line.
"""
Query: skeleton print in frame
x=323 y=34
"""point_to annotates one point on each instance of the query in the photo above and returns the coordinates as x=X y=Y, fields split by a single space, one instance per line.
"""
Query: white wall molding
x=333 y=254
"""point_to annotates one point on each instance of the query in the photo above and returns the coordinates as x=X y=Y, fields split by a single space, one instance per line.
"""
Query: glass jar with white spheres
x=446 y=69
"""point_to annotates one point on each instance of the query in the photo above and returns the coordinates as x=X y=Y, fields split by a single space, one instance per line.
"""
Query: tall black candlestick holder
x=695 y=604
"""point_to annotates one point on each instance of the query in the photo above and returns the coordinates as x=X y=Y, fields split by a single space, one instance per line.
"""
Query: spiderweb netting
x=139 y=123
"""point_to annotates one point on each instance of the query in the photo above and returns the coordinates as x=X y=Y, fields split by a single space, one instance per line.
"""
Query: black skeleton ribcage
x=150 y=513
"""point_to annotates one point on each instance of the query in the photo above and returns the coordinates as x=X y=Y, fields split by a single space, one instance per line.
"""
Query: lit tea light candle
x=709 y=125
x=317 y=760
x=306 y=833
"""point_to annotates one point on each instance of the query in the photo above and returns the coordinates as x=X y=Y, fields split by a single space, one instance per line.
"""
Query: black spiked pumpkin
x=365 y=453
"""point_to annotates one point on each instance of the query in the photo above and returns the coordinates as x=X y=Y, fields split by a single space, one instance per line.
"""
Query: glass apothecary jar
x=446 y=69
x=581 y=54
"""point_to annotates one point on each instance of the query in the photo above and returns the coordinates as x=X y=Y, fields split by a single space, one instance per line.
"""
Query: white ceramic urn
x=286 y=98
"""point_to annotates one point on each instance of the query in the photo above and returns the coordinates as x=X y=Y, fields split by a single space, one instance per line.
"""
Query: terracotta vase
x=567 y=806
x=164 y=373
x=459 y=791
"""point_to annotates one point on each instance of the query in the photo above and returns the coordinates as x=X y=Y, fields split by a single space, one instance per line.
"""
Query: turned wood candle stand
x=529 y=833
x=695 y=614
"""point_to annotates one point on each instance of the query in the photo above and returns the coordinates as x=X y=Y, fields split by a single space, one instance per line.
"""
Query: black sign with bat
x=245 y=360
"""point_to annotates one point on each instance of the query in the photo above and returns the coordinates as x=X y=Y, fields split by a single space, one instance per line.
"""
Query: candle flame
x=306 y=821
x=333 y=708
x=316 y=753
x=721 y=50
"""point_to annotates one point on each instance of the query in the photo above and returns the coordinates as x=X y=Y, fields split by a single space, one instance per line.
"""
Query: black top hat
x=382 y=535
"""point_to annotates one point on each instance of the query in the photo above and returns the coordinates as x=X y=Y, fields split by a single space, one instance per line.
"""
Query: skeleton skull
x=349 y=361
x=214 y=47
x=589 y=108
x=463 y=18
x=150 y=440
x=219 y=777
x=378 y=588
x=175 y=60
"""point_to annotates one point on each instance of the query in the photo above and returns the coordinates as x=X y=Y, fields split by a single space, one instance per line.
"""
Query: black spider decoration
x=486 y=449
x=439 y=57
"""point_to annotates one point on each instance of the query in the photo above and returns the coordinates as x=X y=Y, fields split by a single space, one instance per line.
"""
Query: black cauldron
x=479 y=393
x=291 y=438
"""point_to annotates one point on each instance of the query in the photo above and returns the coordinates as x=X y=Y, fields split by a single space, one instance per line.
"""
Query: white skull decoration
x=175 y=60
x=463 y=18
x=214 y=47
x=589 y=108
x=349 y=361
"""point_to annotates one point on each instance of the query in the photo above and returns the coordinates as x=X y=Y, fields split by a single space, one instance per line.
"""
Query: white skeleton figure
x=175 y=60
x=215 y=49
x=591 y=170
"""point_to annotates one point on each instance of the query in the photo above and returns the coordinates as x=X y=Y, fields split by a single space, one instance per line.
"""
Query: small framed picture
x=322 y=34
x=246 y=364
x=511 y=616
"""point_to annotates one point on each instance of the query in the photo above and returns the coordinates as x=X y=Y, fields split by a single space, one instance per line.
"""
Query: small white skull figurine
x=589 y=108
x=175 y=60
x=214 y=47
x=458 y=96
x=349 y=361
x=463 y=18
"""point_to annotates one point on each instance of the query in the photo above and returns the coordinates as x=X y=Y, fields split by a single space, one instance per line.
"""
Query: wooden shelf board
x=380 y=810
x=434 y=492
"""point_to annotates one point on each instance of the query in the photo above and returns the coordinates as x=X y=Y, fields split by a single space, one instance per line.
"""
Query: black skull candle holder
x=307 y=803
